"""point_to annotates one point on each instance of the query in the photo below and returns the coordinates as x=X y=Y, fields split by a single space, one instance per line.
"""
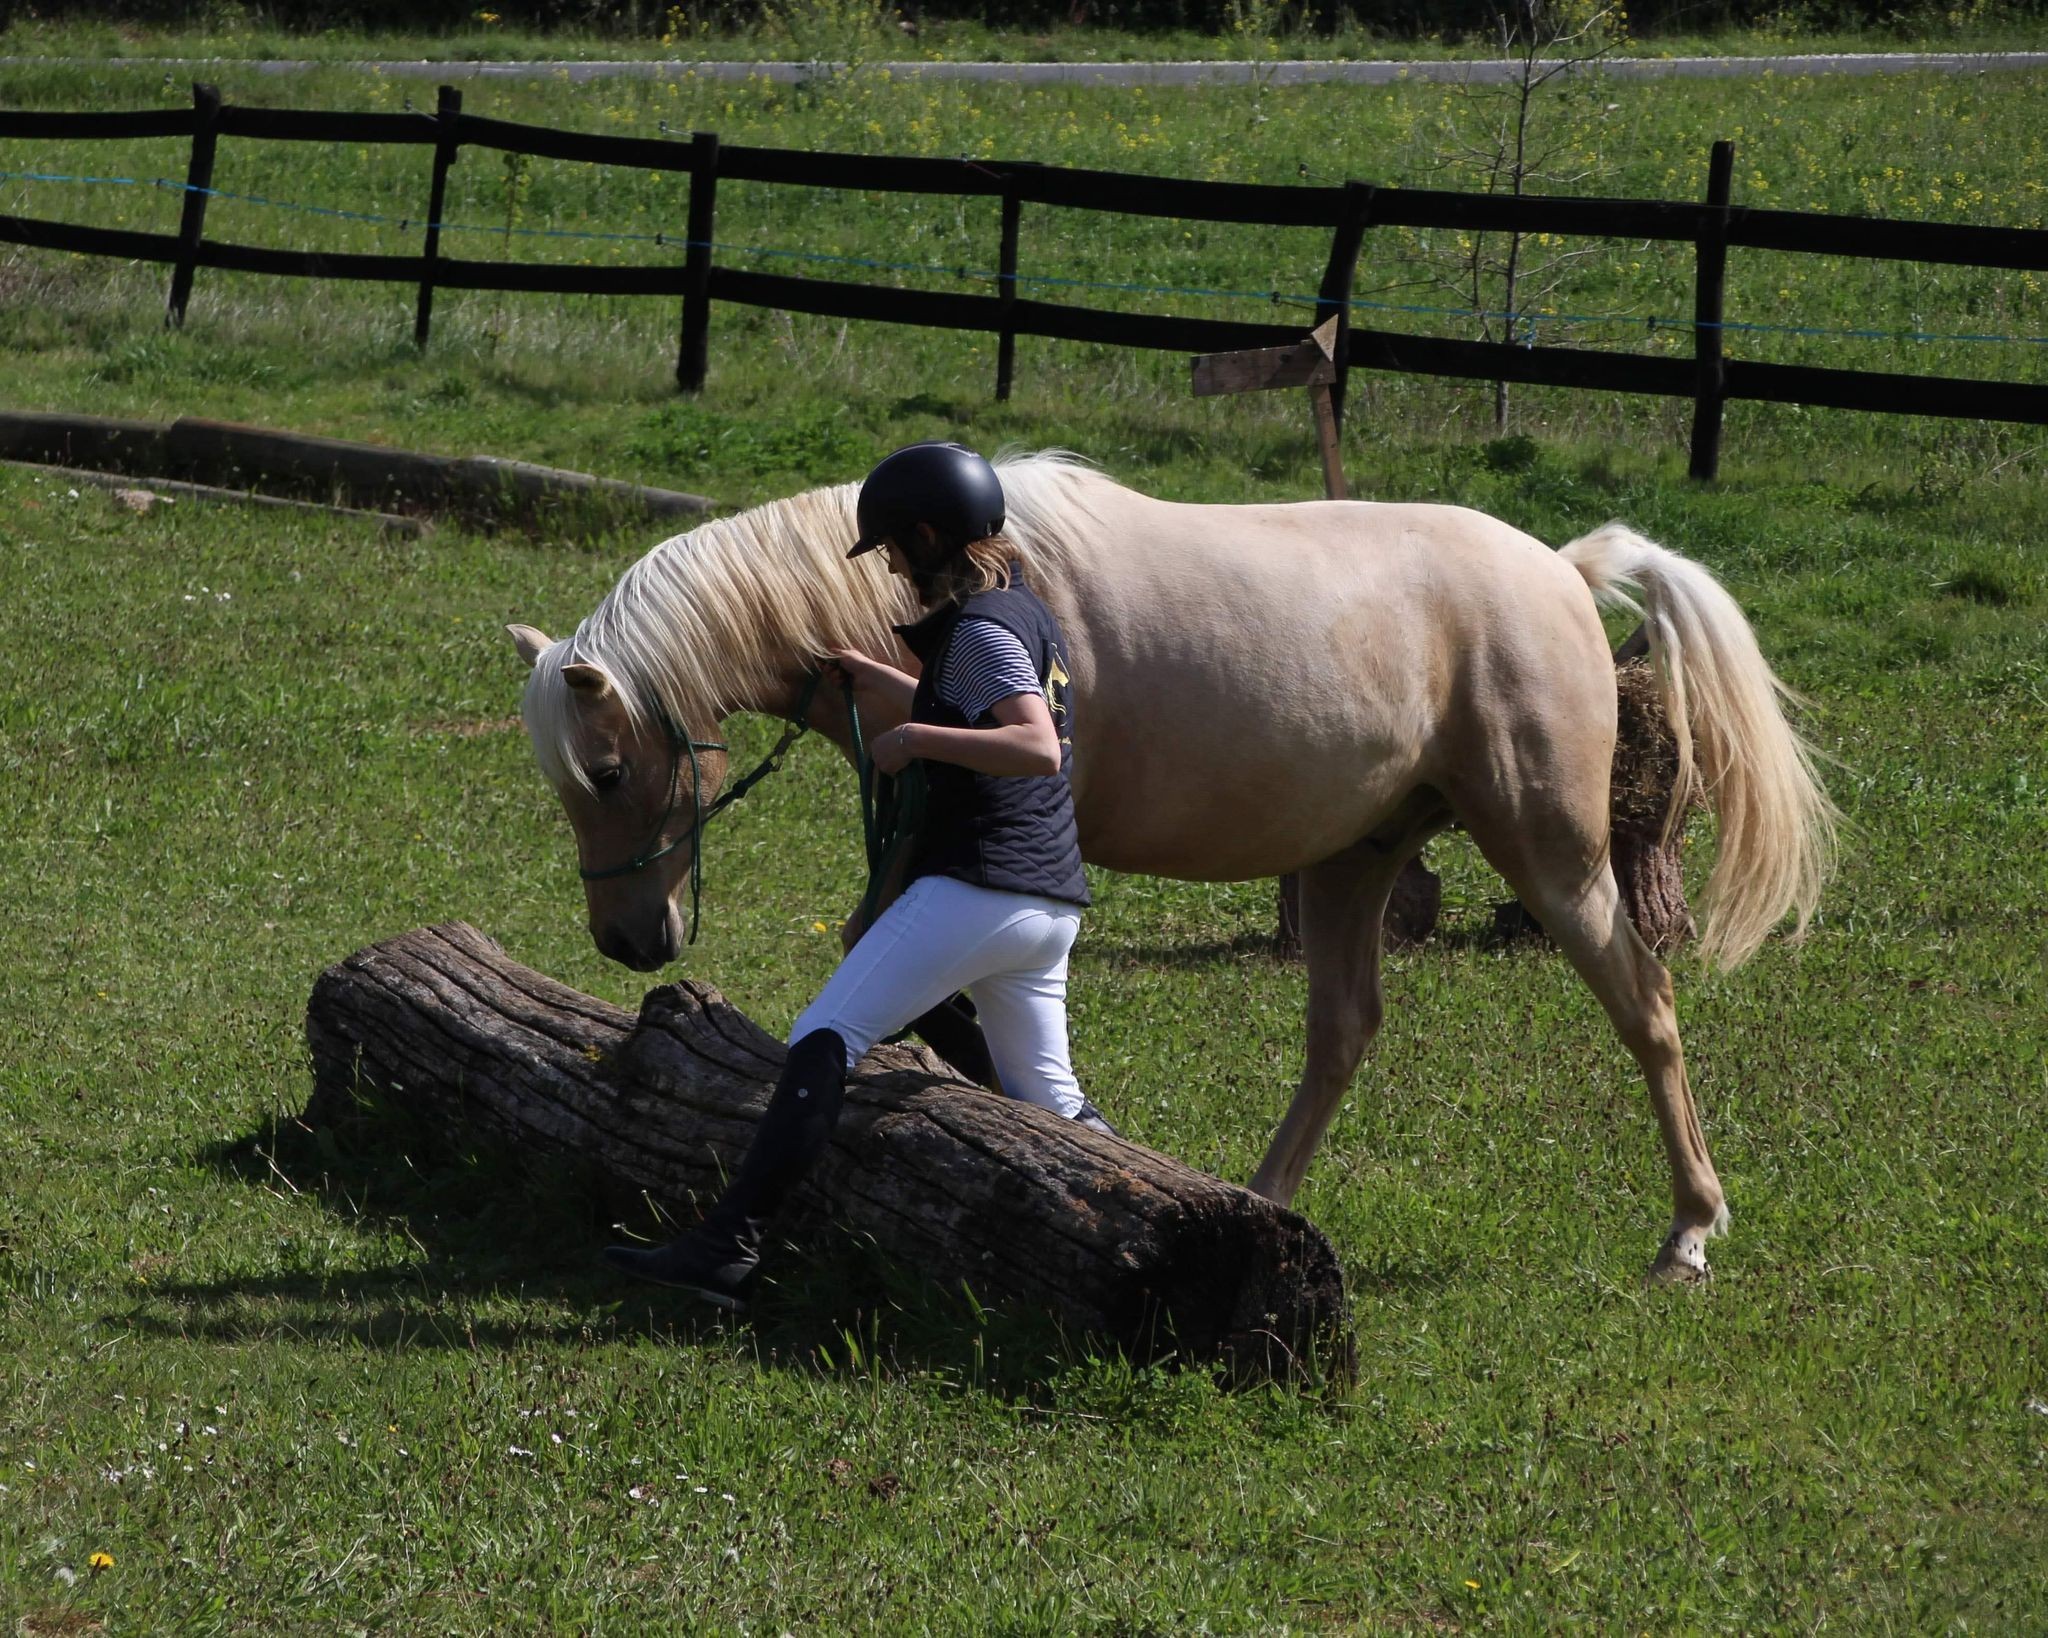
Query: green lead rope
x=771 y=763
x=891 y=812
x=891 y=809
x=681 y=745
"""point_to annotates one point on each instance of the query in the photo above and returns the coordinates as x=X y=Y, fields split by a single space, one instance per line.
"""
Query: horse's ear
x=587 y=680
x=528 y=641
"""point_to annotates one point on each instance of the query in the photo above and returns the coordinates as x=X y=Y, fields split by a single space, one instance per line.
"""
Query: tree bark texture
x=1113 y=1240
x=1644 y=787
x=1652 y=888
x=1412 y=906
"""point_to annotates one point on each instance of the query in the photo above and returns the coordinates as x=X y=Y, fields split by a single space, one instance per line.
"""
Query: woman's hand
x=881 y=693
x=849 y=665
x=891 y=752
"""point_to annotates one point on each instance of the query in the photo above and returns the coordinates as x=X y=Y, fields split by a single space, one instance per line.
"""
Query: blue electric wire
x=1526 y=322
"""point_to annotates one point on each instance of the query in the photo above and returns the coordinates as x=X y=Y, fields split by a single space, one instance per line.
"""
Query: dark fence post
x=1335 y=295
x=446 y=112
x=692 y=355
x=198 y=179
x=1006 y=290
x=1709 y=290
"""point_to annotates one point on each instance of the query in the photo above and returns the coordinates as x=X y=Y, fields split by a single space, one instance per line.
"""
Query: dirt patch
x=55 y=1623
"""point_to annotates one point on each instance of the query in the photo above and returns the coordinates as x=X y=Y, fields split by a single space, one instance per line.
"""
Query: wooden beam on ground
x=170 y=489
x=482 y=489
x=1115 y=1241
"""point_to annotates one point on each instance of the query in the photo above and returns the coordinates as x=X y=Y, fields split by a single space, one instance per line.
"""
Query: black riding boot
x=717 y=1256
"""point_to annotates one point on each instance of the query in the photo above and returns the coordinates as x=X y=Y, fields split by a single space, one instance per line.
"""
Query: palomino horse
x=1316 y=688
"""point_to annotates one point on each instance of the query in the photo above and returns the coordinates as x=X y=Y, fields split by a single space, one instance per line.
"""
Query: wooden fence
x=1348 y=211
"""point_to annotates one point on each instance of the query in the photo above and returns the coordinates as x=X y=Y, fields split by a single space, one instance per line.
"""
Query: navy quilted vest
x=1010 y=832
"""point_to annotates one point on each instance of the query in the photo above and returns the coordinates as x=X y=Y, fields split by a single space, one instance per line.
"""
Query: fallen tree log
x=1113 y=1240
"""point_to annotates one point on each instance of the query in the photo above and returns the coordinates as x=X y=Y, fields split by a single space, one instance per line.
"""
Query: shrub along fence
x=1349 y=211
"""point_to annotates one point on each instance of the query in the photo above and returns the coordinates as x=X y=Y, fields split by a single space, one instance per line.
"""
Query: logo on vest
x=1056 y=679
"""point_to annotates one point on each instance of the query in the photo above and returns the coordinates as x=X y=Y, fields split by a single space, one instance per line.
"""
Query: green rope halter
x=681 y=745
x=891 y=808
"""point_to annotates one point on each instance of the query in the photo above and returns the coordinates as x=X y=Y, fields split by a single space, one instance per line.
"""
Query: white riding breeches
x=1006 y=950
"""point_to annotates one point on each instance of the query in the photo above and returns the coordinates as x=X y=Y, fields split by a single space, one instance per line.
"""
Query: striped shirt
x=985 y=666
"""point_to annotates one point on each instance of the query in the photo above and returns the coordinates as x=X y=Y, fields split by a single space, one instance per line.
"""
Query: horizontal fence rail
x=1348 y=212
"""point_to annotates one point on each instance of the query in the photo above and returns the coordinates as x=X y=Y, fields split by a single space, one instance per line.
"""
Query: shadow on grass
x=1190 y=953
x=1498 y=933
x=508 y=1257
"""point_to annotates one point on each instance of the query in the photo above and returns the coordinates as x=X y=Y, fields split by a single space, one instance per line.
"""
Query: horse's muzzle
x=653 y=949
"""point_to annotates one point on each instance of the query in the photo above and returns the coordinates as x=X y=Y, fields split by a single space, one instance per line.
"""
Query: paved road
x=1184 y=73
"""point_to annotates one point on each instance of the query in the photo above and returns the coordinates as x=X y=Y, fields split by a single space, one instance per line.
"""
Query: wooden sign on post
x=1311 y=364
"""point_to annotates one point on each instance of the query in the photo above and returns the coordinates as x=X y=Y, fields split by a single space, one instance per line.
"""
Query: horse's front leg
x=1343 y=903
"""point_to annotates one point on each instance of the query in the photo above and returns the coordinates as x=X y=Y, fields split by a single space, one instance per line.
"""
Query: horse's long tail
x=1777 y=826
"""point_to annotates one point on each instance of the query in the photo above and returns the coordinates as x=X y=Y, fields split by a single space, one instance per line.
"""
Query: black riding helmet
x=946 y=485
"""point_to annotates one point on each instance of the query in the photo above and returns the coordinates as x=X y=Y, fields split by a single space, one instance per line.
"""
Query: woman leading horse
x=1315 y=688
x=995 y=883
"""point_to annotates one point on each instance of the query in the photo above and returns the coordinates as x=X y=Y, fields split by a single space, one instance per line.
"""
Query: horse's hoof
x=1681 y=1260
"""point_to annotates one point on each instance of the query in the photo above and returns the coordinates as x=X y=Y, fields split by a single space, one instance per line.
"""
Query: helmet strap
x=943 y=579
x=930 y=575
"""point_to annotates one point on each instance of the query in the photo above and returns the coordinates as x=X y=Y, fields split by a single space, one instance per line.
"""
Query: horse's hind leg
x=1557 y=862
x=1343 y=902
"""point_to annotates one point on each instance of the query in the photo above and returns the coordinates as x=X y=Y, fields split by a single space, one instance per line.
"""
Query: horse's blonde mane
x=708 y=621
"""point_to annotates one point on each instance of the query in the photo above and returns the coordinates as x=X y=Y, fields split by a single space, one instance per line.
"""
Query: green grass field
x=287 y=1383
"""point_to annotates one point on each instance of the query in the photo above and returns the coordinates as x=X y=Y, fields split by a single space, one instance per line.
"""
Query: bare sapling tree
x=835 y=38
x=1533 y=129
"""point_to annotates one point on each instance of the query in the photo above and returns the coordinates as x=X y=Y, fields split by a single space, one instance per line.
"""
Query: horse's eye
x=609 y=776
